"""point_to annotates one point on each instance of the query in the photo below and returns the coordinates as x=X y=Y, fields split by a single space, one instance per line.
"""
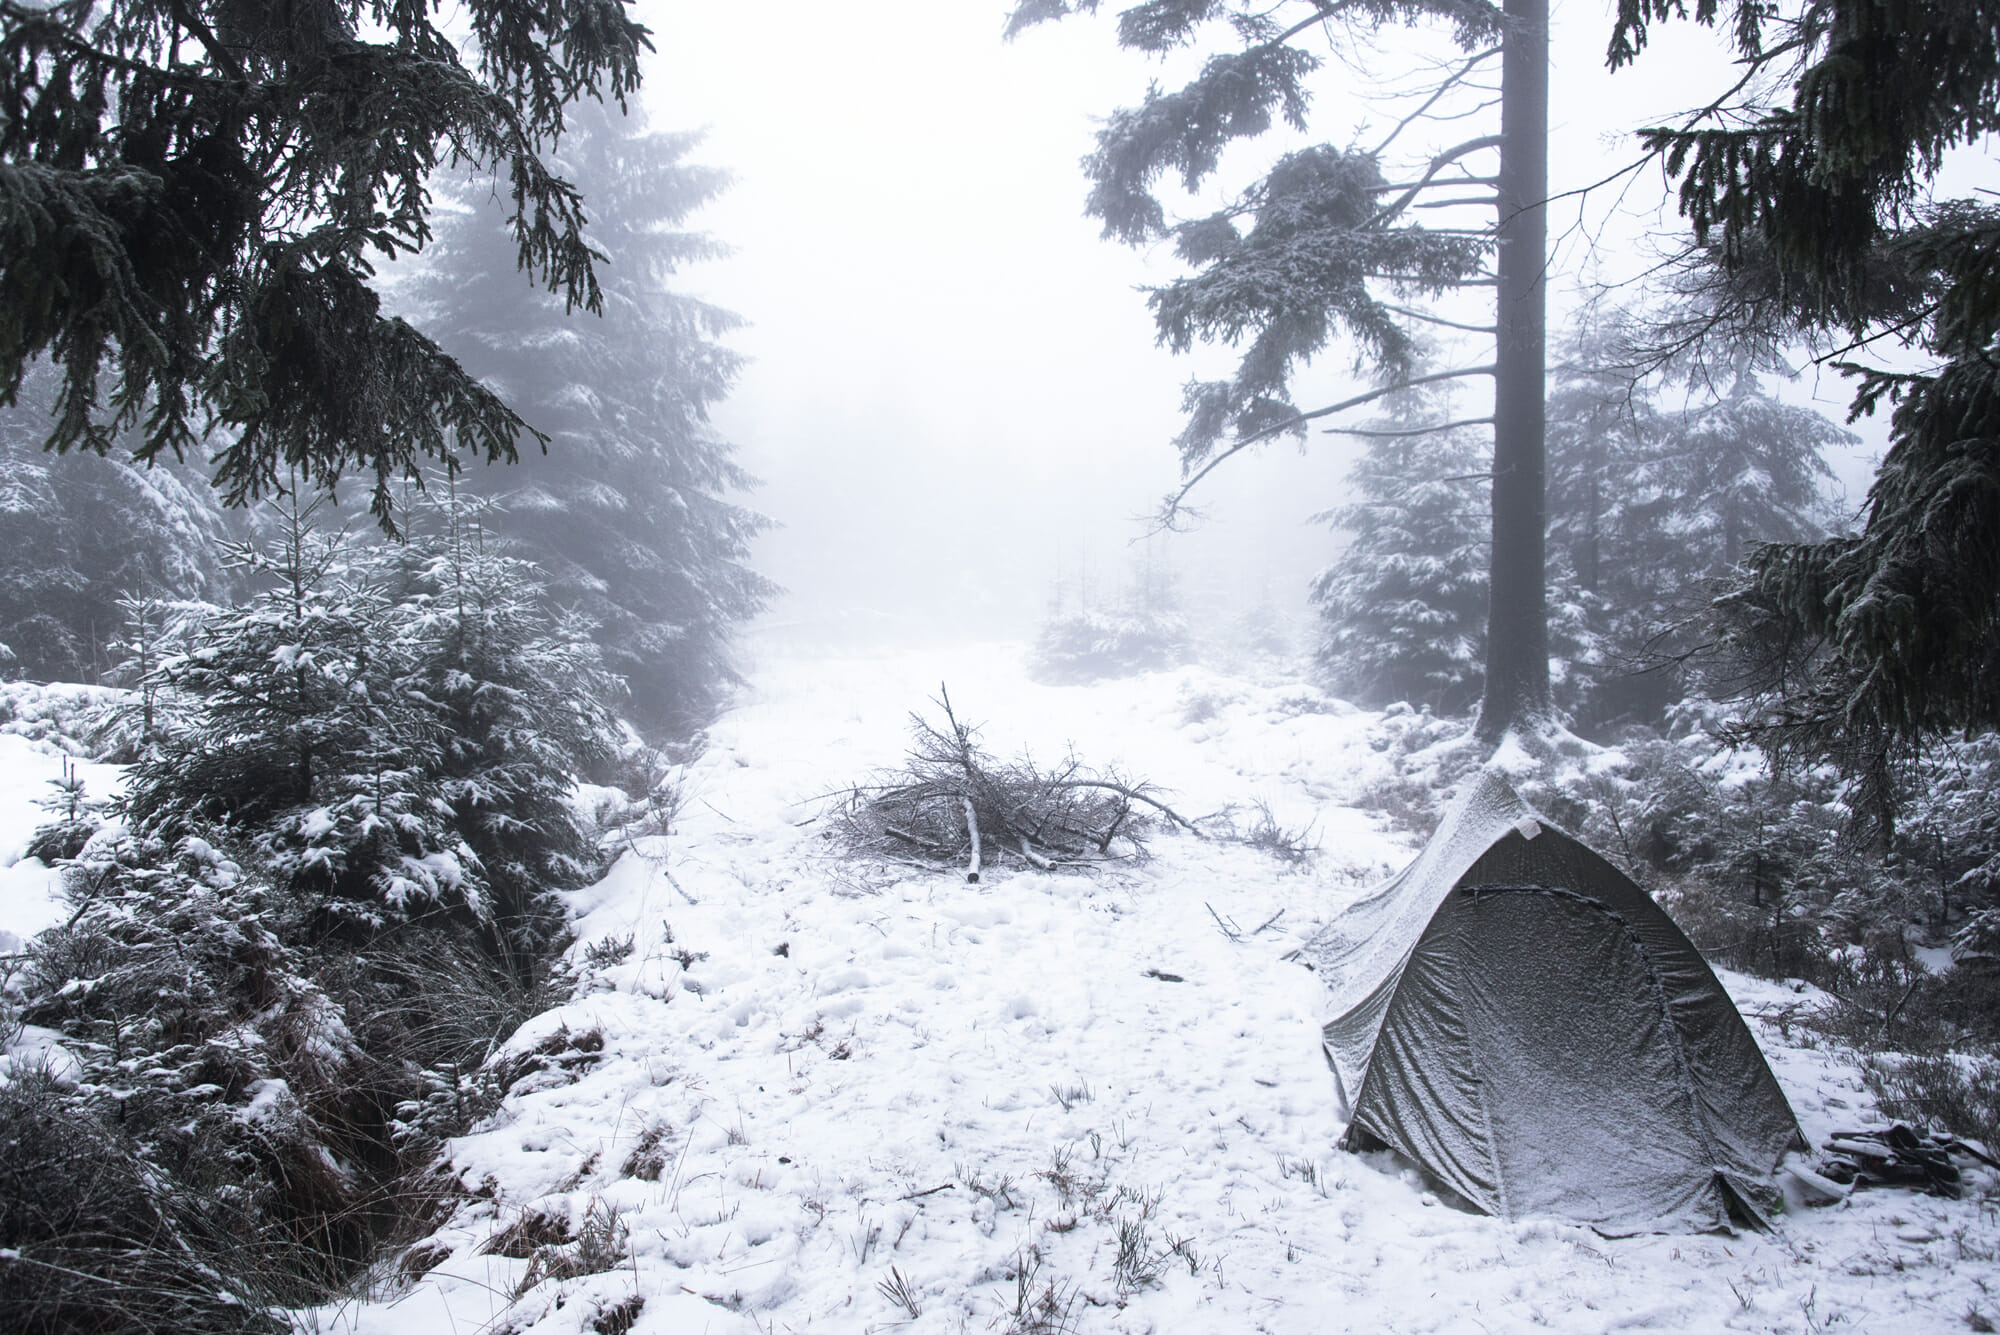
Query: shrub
x=1090 y=645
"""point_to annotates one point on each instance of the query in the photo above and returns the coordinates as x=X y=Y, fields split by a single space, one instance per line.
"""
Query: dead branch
x=954 y=803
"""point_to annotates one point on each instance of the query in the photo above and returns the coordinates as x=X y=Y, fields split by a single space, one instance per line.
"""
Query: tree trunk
x=1517 y=637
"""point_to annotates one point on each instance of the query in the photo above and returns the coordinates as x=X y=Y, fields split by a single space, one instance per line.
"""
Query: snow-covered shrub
x=229 y=1073
x=334 y=901
x=1957 y=1093
x=1090 y=645
x=1142 y=630
x=59 y=717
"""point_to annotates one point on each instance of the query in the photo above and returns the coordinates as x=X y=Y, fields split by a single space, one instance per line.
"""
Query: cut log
x=972 y=828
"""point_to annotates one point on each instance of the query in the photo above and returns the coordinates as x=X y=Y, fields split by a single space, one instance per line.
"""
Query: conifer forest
x=1032 y=666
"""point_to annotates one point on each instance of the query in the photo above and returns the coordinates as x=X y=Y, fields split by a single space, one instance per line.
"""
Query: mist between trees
x=236 y=287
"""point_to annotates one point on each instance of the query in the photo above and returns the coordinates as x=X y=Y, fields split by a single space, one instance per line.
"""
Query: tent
x=1519 y=1018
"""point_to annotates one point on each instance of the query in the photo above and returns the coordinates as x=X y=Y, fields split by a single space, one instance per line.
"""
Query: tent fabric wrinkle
x=1523 y=1021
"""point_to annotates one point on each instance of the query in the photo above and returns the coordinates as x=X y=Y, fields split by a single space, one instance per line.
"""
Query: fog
x=953 y=396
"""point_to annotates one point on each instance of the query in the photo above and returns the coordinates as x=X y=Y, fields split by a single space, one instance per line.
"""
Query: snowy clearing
x=839 y=1096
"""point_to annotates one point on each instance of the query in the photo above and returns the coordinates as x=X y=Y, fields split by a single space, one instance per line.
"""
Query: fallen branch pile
x=953 y=804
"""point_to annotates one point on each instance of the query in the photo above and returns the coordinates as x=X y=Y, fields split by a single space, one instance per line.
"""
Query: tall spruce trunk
x=1517 y=637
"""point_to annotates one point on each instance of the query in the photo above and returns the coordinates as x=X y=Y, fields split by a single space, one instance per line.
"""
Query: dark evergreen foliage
x=191 y=192
x=387 y=731
x=1403 y=608
x=520 y=699
x=1818 y=216
x=1658 y=492
x=283 y=986
x=1326 y=230
x=628 y=513
x=91 y=1242
x=294 y=736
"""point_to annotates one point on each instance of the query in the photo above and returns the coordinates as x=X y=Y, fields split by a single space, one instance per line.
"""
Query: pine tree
x=80 y=532
x=1325 y=243
x=520 y=698
x=1403 y=608
x=1815 y=214
x=628 y=512
x=387 y=730
x=191 y=192
x=294 y=738
x=1652 y=509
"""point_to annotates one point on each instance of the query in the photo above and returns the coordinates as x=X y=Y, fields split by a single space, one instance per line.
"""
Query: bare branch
x=1413 y=431
x=1412 y=314
x=1465 y=68
x=1173 y=503
x=1438 y=164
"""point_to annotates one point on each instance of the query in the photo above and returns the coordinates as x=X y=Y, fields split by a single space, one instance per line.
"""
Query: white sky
x=949 y=367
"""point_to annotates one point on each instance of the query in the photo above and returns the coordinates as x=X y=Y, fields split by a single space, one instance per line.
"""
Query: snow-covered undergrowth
x=805 y=1093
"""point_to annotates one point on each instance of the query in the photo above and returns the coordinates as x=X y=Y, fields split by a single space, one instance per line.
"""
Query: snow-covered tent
x=1519 y=1018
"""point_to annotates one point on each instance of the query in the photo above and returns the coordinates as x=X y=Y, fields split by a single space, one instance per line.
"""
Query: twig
x=677 y=885
x=1229 y=928
x=911 y=839
x=918 y=1195
x=1135 y=795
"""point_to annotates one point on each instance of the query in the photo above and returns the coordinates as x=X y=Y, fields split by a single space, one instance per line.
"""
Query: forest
x=603 y=738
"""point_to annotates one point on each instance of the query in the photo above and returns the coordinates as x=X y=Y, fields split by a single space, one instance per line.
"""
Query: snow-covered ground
x=825 y=1095
x=32 y=755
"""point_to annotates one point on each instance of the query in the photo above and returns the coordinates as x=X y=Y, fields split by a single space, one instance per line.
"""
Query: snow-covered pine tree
x=520 y=698
x=82 y=530
x=1826 y=204
x=627 y=510
x=1652 y=505
x=295 y=740
x=1403 y=607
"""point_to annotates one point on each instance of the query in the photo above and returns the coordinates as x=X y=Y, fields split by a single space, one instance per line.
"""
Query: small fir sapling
x=76 y=818
x=295 y=737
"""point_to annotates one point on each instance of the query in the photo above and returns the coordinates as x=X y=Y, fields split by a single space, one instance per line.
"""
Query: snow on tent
x=1519 y=1018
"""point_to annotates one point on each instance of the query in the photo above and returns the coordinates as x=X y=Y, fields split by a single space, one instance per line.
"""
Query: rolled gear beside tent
x=1524 y=1022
